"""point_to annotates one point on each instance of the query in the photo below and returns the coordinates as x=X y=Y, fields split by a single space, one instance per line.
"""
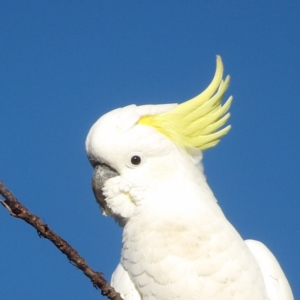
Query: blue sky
x=65 y=63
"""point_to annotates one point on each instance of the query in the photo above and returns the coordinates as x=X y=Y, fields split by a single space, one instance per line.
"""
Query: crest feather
x=196 y=122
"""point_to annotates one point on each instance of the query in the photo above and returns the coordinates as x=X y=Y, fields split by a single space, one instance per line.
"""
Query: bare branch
x=17 y=210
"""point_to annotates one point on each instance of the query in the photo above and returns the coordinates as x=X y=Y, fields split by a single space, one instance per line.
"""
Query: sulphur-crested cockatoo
x=177 y=243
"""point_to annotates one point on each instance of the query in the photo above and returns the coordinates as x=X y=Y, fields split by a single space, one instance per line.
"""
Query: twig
x=17 y=210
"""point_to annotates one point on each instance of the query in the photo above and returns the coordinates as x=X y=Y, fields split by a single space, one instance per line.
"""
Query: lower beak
x=102 y=172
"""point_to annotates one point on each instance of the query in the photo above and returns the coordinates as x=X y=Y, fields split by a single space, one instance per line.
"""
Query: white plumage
x=177 y=243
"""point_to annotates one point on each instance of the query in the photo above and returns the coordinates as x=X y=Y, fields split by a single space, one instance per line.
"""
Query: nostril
x=93 y=161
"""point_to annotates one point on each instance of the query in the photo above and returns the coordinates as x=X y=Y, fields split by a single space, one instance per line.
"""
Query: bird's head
x=138 y=145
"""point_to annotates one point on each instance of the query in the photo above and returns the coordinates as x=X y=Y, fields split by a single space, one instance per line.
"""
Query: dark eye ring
x=135 y=160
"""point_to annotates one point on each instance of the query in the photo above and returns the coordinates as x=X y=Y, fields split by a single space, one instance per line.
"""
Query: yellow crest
x=196 y=123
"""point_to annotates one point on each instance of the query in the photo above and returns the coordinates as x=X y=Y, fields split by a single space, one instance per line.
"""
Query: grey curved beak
x=102 y=172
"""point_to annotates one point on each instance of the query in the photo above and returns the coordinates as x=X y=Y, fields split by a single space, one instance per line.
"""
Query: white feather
x=276 y=283
x=121 y=281
x=177 y=243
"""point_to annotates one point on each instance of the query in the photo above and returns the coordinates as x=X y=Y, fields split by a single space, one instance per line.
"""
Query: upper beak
x=102 y=172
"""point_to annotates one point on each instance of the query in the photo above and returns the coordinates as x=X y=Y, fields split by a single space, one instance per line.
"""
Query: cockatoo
x=177 y=243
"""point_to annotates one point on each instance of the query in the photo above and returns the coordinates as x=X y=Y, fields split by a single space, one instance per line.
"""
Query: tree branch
x=17 y=210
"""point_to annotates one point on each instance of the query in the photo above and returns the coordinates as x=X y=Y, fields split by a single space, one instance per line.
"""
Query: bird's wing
x=122 y=283
x=277 y=286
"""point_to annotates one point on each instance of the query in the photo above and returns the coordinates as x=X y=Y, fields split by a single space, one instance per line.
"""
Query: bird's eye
x=135 y=160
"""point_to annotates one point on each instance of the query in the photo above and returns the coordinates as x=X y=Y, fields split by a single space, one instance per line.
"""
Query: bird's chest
x=172 y=260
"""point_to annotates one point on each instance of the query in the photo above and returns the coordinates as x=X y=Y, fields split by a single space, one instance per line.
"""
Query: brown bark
x=18 y=210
